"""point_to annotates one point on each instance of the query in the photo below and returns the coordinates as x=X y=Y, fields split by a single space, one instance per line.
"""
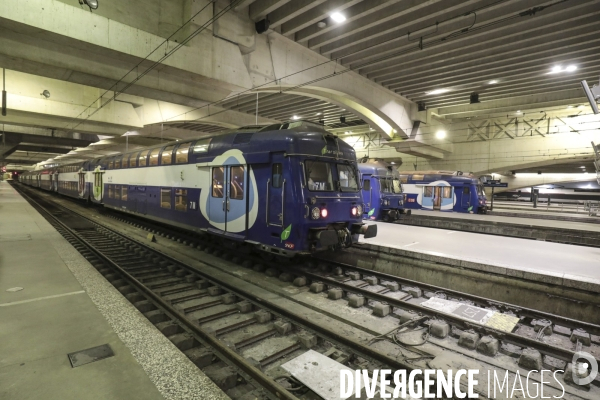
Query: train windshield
x=390 y=185
x=347 y=178
x=318 y=175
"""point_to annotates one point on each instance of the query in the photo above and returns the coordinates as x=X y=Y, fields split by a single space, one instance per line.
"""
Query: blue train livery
x=382 y=192
x=288 y=189
x=443 y=191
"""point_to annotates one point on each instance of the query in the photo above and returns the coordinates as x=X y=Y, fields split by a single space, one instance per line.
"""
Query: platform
x=66 y=306
x=556 y=263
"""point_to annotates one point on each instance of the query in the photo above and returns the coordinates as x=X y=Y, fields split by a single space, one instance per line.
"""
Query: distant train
x=286 y=190
x=443 y=191
x=382 y=192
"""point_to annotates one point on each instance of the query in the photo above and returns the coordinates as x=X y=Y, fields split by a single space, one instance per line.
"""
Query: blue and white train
x=287 y=189
x=382 y=192
x=443 y=191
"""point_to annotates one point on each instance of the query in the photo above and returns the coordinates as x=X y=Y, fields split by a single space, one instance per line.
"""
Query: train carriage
x=382 y=192
x=443 y=191
x=284 y=189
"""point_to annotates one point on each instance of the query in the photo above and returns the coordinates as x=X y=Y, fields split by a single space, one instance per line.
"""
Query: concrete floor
x=583 y=226
x=66 y=306
x=522 y=254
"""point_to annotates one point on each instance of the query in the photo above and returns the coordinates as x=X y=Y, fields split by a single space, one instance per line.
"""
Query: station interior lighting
x=295 y=117
x=438 y=91
x=440 y=134
x=558 y=68
x=493 y=81
x=338 y=17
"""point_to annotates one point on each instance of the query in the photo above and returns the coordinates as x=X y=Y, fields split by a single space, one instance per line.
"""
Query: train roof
x=295 y=137
x=377 y=169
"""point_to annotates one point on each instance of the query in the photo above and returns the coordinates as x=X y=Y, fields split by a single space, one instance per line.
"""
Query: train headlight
x=359 y=209
x=400 y=202
x=315 y=213
x=324 y=213
x=354 y=211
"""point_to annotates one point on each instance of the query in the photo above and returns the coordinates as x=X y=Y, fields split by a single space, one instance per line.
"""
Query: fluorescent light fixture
x=493 y=81
x=440 y=134
x=338 y=17
x=295 y=117
x=569 y=107
x=518 y=112
x=571 y=68
x=556 y=69
x=348 y=132
x=319 y=113
x=580 y=106
x=438 y=91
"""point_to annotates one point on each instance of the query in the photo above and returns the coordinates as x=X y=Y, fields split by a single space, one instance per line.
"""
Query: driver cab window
x=367 y=184
x=276 y=174
x=318 y=174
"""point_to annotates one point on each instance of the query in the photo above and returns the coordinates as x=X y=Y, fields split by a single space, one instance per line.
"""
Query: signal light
x=354 y=211
x=324 y=213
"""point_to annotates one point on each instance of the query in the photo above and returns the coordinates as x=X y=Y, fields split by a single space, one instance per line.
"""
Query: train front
x=331 y=195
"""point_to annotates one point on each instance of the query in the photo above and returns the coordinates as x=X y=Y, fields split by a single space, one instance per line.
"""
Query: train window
x=118 y=163
x=276 y=175
x=466 y=190
x=118 y=192
x=236 y=183
x=124 y=193
x=480 y=190
x=218 y=178
x=181 y=155
x=142 y=158
x=111 y=192
x=367 y=184
x=201 y=146
x=347 y=178
x=111 y=164
x=417 y=177
x=153 y=157
x=319 y=177
x=167 y=155
x=181 y=199
x=165 y=198
x=129 y=161
x=447 y=192
x=428 y=191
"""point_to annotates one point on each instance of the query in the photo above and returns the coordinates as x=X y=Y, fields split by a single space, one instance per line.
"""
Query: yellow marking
x=502 y=322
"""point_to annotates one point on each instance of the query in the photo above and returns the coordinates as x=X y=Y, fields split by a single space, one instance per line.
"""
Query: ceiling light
x=322 y=24
x=92 y=4
x=438 y=91
x=582 y=166
x=585 y=173
x=319 y=113
x=338 y=17
x=46 y=94
x=556 y=69
x=348 y=132
x=493 y=81
x=440 y=134
x=295 y=117
x=580 y=106
x=518 y=112
x=571 y=68
x=569 y=107
x=393 y=162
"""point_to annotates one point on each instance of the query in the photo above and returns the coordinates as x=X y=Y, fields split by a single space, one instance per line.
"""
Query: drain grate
x=87 y=356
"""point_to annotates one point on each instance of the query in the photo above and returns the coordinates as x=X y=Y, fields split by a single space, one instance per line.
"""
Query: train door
x=227 y=207
x=81 y=182
x=437 y=197
x=367 y=192
x=275 y=188
x=466 y=198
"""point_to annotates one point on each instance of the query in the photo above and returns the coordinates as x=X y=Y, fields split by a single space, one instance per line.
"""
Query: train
x=382 y=192
x=443 y=191
x=284 y=190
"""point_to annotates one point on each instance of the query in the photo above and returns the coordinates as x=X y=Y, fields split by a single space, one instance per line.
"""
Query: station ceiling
x=439 y=52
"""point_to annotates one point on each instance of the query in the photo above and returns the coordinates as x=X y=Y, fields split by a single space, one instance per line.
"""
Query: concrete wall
x=159 y=17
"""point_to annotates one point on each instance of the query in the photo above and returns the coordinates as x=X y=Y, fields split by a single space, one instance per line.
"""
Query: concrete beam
x=43 y=149
x=319 y=12
x=260 y=8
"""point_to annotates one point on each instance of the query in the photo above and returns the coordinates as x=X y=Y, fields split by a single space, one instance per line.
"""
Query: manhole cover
x=87 y=356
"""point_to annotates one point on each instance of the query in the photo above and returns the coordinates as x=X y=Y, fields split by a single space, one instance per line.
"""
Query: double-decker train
x=382 y=192
x=288 y=189
x=443 y=191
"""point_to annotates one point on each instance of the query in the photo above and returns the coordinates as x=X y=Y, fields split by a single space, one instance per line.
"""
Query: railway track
x=208 y=302
x=234 y=338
